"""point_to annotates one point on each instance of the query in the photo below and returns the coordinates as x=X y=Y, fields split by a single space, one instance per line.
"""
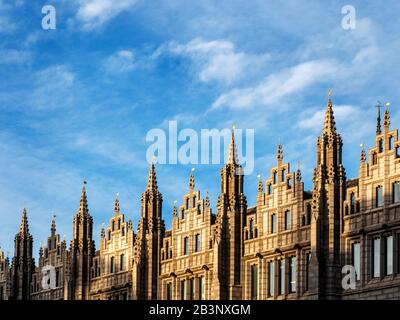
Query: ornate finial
x=207 y=199
x=116 y=205
x=329 y=121
x=191 y=180
x=298 y=173
x=102 y=231
x=386 y=118
x=24 y=227
x=53 y=225
x=175 y=211
x=279 y=153
x=260 y=184
x=363 y=156
x=152 y=179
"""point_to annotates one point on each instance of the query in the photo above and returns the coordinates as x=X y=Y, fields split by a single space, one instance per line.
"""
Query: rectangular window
x=281 y=277
x=169 y=291
x=396 y=192
x=389 y=255
x=57 y=278
x=197 y=243
x=185 y=246
x=273 y=223
x=183 y=289
x=271 y=277
x=292 y=274
x=202 y=291
x=122 y=262
x=287 y=220
x=112 y=265
x=379 y=196
x=254 y=282
x=355 y=252
x=376 y=258
x=308 y=270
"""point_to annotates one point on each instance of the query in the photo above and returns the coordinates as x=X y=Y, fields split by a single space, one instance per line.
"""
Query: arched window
x=289 y=183
x=251 y=228
x=275 y=177
x=391 y=142
x=194 y=202
x=187 y=203
x=308 y=213
x=352 y=203
x=199 y=209
x=380 y=145
x=283 y=175
x=109 y=235
x=303 y=221
x=269 y=188
x=183 y=214
x=374 y=158
x=123 y=231
x=113 y=226
x=119 y=224
x=166 y=249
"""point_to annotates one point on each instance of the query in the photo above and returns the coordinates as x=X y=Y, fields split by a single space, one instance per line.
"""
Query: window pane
x=254 y=282
x=271 y=282
x=201 y=288
x=376 y=258
x=292 y=274
x=389 y=255
x=282 y=277
x=396 y=192
x=379 y=198
x=356 y=259
x=273 y=223
x=287 y=220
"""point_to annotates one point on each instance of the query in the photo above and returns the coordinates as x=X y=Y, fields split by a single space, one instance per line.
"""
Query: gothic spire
x=175 y=212
x=24 y=227
x=378 y=119
x=83 y=205
x=53 y=225
x=207 y=200
x=116 y=205
x=329 y=122
x=152 y=179
x=233 y=158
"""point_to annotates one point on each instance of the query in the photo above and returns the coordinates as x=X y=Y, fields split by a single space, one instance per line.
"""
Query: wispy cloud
x=120 y=62
x=216 y=60
x=13 y=56
x=278 y=86
x=94 y=13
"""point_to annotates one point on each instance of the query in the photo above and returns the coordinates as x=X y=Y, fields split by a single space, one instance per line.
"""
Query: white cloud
x=120 y=62
x=216 y=60
x=278 y=85
x=53 y=88
x=94 y=13
x=13 y=56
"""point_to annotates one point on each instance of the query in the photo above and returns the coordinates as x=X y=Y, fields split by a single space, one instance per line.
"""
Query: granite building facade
x=292 y=244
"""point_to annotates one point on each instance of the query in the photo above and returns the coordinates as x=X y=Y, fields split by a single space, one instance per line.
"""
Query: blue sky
x=78 y=101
